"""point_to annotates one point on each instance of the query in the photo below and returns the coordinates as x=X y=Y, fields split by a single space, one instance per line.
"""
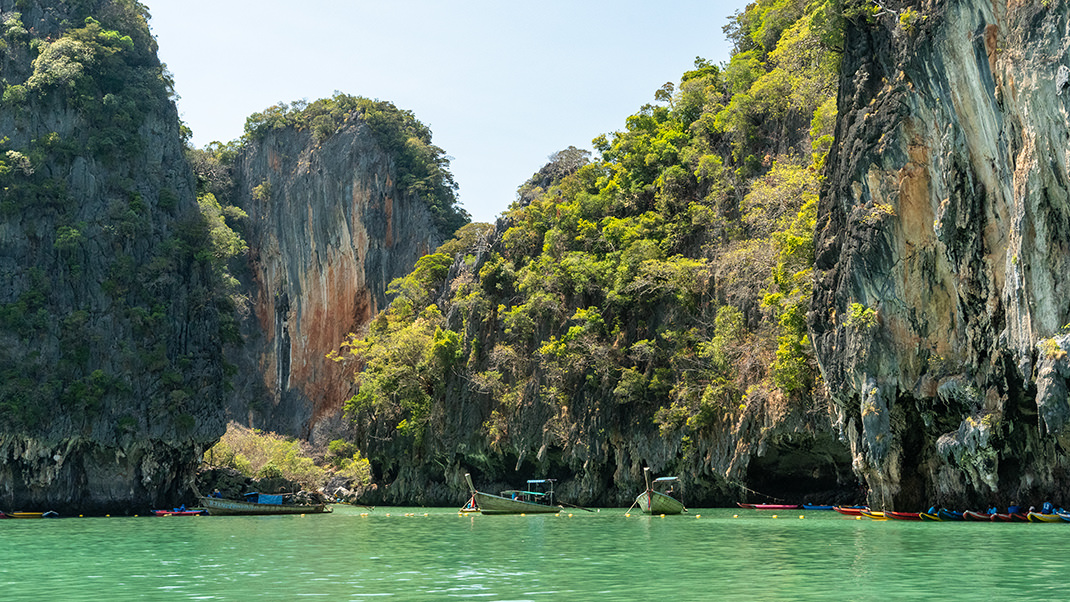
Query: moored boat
x=949 y=515
x=48 y=514
x=776 y=506
x=850 y=510
x=1040 y=517
x=653 y=501
x=971 y=515
x=259 y=504
x=517 y=501
x=902 y=515
x=816 y=507
x=874 y=514
x=180 y=512
x=1010 y=517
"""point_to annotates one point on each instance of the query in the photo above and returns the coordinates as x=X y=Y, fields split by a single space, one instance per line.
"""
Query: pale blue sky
x=502 y=85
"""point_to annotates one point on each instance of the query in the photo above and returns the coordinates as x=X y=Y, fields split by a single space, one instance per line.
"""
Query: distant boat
x=652 y=501
x=972 y=515
x=517 y=501
x=775 y=506
x=48 y=514
x=850 y=510
x=949 y=515
x=874 y=514
x=1040 y=517
x=257 y=504
x=816 y=507
x=178 y=512
x=902 y=515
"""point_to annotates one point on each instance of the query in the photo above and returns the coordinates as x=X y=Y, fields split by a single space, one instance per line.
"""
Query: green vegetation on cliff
x=658 y=290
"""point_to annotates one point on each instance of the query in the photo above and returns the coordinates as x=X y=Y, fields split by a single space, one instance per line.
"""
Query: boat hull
x=221 y=507
x=849 y=510
x=902 y=515
x=1037 y=517
x=654 y=502
x=489 y=503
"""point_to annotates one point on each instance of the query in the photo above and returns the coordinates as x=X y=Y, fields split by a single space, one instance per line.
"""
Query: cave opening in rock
x=804 y=470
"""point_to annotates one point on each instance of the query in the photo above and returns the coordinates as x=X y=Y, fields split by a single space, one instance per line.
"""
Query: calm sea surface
x=434 y=554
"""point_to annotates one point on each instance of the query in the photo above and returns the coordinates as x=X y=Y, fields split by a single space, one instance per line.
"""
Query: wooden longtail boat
x=850 y=510
x=653 y=502
x=516 y=501
x=252 y=506
x=902 y=515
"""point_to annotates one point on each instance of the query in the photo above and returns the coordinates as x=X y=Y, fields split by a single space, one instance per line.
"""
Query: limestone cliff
x=940 y=299
x=110 y=355
x=328 y=229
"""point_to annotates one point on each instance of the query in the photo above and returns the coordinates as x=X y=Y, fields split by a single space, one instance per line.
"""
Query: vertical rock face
x=328 y=231
x=942 y=252
x=110 y=357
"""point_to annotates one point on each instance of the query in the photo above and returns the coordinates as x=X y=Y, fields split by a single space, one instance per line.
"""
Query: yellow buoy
x=570 y=515
x=800 y=516
x=698 y=516
x=735 y=516
x=628 y=515
x=662 y=516
x=774 y=516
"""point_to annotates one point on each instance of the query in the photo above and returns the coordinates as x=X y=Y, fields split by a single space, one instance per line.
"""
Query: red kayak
x=775 y=506
x=179 y=512
x=977 y=516
x=1017 y=517
x=850 y=510
x=902 y=515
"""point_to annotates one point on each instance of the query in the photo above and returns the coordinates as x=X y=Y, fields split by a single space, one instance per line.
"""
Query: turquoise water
x=434 y=554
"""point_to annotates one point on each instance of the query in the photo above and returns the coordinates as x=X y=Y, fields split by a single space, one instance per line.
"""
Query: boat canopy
x=665 y=479
x=263 y=498
x=540 y=481
x=522 y=492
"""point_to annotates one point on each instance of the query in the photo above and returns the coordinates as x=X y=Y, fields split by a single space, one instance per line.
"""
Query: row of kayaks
x=1052 y=515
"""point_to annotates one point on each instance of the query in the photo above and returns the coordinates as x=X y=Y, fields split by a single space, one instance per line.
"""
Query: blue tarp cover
x=270 y=499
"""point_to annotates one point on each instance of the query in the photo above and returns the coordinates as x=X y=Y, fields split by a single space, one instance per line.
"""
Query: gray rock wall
x=946 y=215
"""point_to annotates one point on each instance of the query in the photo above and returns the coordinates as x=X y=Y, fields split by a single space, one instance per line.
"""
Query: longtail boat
x=517 y=501
x=850 y=510
x=259 y=504
x=652 y=501
x=902 y=515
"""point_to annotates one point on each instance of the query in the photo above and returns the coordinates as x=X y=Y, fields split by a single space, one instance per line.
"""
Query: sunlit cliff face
x=945 y=213
x=326 y=238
